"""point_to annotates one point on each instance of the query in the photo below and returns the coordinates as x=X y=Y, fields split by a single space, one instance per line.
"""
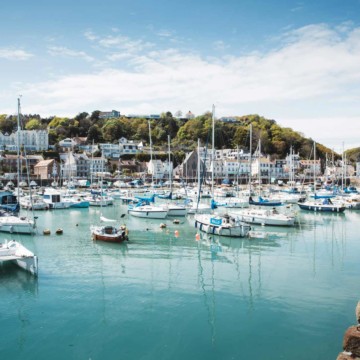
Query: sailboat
x=259 y=214
x=9 y=222
x=144 y=208
x=109 y=233
x=173 y=209
x=198 y=207
x=261 y=201
x=322 y=204
x=219 y=224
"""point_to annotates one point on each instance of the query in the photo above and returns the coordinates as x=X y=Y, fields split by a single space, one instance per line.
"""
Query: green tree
x=94 y=134
x=7 y=124
x=112 y=130
x=33 y=124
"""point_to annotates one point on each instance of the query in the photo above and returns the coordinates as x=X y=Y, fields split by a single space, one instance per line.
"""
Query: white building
x=32 y=140
x=68 y=167
x=67 y=143
x=158 y=169
x=115 y=151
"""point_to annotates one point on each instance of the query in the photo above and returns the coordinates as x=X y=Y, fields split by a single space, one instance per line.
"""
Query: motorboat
x=109 y=233
x=222 y=225
x=18 y=225
x=34 y=202
x=260 y=216
x=54 y=199
x=145 y=210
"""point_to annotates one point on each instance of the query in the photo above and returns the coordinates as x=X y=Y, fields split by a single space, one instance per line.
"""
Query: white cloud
x=314 y=73
x=63 y=51
x=90 y=35
x=164 y=33
x=124 y=42
x=220 y=45
x=14 y=54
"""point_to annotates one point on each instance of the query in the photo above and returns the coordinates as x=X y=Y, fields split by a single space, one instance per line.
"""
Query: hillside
x=275 y=140
x=353 y=155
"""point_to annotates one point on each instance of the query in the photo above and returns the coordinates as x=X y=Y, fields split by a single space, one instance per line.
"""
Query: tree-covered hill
x=275 y=140
x=353 y=154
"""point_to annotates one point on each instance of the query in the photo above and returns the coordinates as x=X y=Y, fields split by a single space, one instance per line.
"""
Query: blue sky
x=296 y=62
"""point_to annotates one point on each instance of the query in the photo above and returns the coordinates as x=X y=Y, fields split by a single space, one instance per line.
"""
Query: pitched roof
x=44 y=163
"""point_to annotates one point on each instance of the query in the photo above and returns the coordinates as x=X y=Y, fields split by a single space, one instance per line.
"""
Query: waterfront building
x=308 y=167
x=9 y=163
x=44 y=169
x=159 y=169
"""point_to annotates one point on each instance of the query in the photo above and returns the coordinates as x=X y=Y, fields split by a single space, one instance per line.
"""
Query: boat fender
x=196 y=223
x=11 y=229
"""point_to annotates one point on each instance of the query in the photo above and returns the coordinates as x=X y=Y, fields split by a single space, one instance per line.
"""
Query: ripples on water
x=289 y=295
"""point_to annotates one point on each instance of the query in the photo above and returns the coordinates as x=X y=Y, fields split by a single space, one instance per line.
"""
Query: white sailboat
x=259 y=215
x=197 y=207
x=222 y=225
x=143 y=209
x=322 y=204
x=9 y=222
x=173 y=209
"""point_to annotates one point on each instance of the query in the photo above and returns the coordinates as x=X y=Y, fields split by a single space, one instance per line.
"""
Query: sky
x=296 y=62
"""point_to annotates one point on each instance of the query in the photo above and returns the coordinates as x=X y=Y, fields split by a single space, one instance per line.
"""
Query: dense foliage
x=353 y=155
x=275 y=140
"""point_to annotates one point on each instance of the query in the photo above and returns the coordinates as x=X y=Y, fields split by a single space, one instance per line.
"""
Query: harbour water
x=289 y=295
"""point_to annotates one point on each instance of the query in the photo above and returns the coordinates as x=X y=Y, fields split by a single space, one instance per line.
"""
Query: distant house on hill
x=228 y=119
x=109 y=114
x=189 y=115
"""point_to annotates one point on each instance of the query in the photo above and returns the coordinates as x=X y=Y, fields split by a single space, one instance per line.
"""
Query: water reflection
x=18 y=286
x=17 y=281
x=209 y=300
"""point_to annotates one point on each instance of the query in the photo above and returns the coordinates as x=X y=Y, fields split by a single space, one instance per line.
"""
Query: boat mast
x=170 y=177
x=314 y=168
x=198 y=171
x=342 y=168
x=151 y=161
x=213 y=151
x=259 y=167
x=18 y=151
x=250 y=159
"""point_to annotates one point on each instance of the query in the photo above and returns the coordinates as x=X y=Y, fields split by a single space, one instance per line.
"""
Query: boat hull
x=16 y=227
x=109 y=234
x=158 y=214
x=322 y=208
x=106 y=238
x=29 y=263
x=257 y=220
x=204 y=224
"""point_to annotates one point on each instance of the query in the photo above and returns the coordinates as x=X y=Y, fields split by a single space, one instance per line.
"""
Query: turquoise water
x=290 y=295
